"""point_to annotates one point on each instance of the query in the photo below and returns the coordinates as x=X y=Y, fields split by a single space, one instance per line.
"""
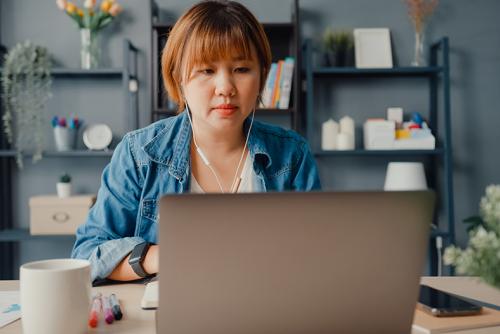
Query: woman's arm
x=124 y=272
x=107 y=237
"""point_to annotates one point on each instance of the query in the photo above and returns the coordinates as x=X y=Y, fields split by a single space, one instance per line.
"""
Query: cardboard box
x=55 y=215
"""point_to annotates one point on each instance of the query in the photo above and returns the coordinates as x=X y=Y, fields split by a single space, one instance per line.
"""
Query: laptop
x=271 y=263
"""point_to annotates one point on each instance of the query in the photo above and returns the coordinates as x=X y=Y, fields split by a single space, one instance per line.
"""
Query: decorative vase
x=89 y=49
x=419 y=56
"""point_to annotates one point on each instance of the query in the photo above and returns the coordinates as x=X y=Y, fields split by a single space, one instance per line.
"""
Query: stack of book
x=278 y=86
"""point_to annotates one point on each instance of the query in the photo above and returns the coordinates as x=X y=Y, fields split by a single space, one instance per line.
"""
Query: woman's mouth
x=225 y=109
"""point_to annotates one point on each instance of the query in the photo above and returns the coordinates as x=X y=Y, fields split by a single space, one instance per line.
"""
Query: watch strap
x=137 y=258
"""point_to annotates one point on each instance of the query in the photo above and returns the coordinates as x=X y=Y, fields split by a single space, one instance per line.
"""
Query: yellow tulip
x=105 y=6
x=80 y=12
x=70 y=7
x=115 y=9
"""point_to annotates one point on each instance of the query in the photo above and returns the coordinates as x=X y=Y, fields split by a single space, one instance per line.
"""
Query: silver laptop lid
x=291 y=262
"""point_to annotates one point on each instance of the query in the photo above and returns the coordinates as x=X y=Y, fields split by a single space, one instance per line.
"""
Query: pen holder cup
x=65 y=138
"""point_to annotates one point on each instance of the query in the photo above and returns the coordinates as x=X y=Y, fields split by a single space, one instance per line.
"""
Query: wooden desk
x=136 y=320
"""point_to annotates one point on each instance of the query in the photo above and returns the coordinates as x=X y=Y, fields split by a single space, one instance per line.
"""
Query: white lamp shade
x=405 y=176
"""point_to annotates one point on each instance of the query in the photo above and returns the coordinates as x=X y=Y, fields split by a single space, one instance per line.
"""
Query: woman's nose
x=225 y=85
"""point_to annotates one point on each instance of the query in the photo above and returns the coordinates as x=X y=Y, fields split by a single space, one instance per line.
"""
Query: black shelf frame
x=438 y=76
x=285 y=41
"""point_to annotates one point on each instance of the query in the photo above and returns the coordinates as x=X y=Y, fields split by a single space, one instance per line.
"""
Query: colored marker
x=117 y=312
x=108 y=314
x=95 y=310
x=55 y=121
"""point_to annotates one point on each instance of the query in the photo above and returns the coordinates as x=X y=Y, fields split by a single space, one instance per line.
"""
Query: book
x=286 y=83
x=267 y=94
x=424 y=323
x=276 y=89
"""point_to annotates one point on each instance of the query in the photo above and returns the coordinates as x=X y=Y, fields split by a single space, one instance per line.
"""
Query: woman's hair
x=209 y=31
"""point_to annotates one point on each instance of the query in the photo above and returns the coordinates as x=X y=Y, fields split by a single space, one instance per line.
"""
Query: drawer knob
x=60 y=217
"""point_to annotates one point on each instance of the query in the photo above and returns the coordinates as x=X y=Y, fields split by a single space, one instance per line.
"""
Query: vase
x=89 y=49
x=419 y=56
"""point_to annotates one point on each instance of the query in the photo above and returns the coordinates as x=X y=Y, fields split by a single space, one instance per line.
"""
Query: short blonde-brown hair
x=210 y=31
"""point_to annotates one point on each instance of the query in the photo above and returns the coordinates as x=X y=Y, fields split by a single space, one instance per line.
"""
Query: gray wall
x=475 y=51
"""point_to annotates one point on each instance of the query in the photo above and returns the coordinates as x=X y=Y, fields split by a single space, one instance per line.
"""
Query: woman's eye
x=206 y=71
x=242 y=69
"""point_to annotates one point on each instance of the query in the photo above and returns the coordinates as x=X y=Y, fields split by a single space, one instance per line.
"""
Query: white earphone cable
x=207 y=162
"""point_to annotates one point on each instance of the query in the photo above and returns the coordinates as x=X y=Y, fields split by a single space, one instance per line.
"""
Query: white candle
x=329 y=133
x=347 y=125
x=345 y=141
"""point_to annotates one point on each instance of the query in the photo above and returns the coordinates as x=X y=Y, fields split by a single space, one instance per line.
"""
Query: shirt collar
x=171 y=145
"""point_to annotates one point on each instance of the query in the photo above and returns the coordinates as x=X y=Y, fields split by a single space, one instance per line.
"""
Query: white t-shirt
x=248 y=177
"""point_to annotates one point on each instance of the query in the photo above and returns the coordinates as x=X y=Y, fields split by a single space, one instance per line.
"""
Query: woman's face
x=223 y=93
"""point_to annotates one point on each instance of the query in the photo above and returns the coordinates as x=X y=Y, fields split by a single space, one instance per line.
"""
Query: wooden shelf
x=22 y=234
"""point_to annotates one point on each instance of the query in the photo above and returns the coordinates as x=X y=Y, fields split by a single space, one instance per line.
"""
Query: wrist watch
x=137 y=257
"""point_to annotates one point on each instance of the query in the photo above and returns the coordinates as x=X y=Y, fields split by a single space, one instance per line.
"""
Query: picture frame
x=373 y=48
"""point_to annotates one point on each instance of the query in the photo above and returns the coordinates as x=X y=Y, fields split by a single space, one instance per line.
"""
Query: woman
x=214 y=67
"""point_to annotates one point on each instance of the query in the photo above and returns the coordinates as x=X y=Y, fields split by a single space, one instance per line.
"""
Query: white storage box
x=55 y=215
x=379 y=134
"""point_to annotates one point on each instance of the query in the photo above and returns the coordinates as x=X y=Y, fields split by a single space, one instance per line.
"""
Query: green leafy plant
x=65 y=178
x=26 y=84
x=336 y=45
x=337 y=40
x=482 y=255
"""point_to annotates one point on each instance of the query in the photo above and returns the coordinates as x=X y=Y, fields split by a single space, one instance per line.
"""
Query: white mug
x=55 y=296
x=405 y=176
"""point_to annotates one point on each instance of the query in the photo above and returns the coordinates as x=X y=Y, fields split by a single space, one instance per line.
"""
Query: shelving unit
x=438 y=78
x=9 y=234
x=284 y=38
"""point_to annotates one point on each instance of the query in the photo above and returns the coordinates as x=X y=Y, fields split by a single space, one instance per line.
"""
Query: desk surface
x=137 y=320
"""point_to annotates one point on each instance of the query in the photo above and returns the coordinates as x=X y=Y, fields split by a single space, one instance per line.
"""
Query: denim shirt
x=154 y=161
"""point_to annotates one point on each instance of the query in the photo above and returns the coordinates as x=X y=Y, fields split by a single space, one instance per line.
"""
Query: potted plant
x=338 y=47
x=482 y=255
x=26 y=84
x=64 y=186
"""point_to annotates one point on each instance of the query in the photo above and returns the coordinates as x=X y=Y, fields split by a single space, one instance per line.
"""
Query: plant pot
x=330 y=58
x=349 y=57
x=63 y=189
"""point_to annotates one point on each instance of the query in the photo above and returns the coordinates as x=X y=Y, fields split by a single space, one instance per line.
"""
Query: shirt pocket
x=148 y=220
x=149 y=209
